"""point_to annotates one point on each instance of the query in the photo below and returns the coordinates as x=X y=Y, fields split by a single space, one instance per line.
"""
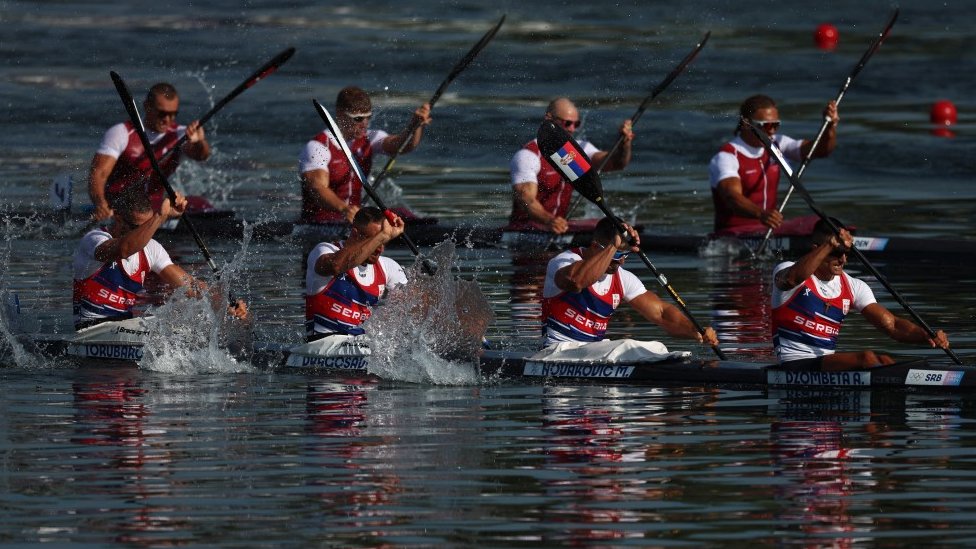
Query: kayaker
x=343 y=281
x=744 y=178
x=541 y=196
x=121 y=162
x=111 y=264
x=811 y=299
x=584 y=286
x=331 y=192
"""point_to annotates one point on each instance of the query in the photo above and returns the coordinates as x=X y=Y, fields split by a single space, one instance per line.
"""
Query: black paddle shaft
x=337 y=134
x=827 y=121
x=567 y=157
x=805 y=195
x=130 y=108
x=458 y=68
x=271 y=66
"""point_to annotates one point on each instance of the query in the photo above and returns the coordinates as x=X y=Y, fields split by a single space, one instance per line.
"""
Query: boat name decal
x=101 y=350
x=933 y=377
x=333 y=362
x=851 y=379
x=543 y=369
x=870 y=244
x=124 y=330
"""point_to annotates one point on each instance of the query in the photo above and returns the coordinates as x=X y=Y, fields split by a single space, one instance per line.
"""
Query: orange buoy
x=826 y=36
x=943 y=113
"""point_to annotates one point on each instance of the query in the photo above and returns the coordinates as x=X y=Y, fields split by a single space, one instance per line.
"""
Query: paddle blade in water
x=566 y=156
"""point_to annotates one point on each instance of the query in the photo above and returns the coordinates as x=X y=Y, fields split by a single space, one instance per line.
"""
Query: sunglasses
x=569 y=124
x=766 y=124
x=358 y=117
x=838 y=253
x=618 y=255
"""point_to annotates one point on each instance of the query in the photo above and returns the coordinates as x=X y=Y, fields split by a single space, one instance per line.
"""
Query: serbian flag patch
x=570 y=161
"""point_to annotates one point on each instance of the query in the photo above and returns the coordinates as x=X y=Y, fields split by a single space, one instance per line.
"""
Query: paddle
x=337 y=134
x=565 y=155
x=130 y=107
x=271 y=66
x=675 y=72
x=805 y=195
x=827 y=121
x=458 y=68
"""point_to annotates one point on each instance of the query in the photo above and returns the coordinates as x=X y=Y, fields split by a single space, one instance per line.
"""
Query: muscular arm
x=575 y=277
x=196 y=146
x=730 y=192
x=525 y=197
x=116 y=249
x=621 y=157
x=101 y=167
x=829 y=140
x=421 y=117
x=316 y=183
x=355 y=252
x=669 y=317
x=900 y=329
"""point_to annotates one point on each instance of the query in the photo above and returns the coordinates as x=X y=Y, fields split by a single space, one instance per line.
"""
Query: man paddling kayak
x=344 y=281
x=584 y=286
x=331 y=192
x=111 y=264
x=121 y=160
x=744 y=179
x=541 y=195
x=811 y=299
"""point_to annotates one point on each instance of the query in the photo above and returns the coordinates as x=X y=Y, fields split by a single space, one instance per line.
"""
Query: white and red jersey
x=340 y=304
x=583 y=316
x=758 y=172
x=324 y=153
x=132 y=165
x=554 y=192
x=109 y=291
x=806 y=320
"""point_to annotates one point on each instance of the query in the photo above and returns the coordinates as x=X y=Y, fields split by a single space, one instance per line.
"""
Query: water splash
x=193 y=334
x=430 y=330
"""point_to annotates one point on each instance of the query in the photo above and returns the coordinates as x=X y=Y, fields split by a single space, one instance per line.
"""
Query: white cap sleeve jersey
x=315 y=283
x=84 y=263
x=316 y=156
x=863 y=295
x=725 y=164
x=116 y=139
x=633 y=287
x=525 y=165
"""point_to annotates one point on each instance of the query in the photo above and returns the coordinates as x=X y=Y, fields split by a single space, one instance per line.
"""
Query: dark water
x=199 y=453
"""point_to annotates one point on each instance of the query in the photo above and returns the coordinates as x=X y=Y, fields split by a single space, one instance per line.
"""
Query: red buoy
x=826 y=36
x=943 y=113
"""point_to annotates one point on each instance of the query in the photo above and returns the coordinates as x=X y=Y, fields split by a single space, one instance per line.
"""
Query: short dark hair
x=606 y=229
x=132 y=199
x=353 y=99
x=367 y=215
x=162 y=88
x=752 y=104
x=822 y=231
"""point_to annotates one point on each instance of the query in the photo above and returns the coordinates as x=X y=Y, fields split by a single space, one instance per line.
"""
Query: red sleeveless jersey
x=760 y=179
x=134 y=167
x=110 y=293
x=342 y=179
x=554 y=192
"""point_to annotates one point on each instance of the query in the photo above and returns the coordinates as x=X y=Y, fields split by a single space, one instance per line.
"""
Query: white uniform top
x=84 y=263
x=116 y=139
x=725 y=164
x=525 y=165
x=316 y=156
x=792 y=350
x=315 y=283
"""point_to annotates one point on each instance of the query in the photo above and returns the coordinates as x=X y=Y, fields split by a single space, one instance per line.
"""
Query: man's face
x=354 y=124
x=566 y=115
x=365 y=233
x=127 y=222
x=161 y=113
x=767 y=120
